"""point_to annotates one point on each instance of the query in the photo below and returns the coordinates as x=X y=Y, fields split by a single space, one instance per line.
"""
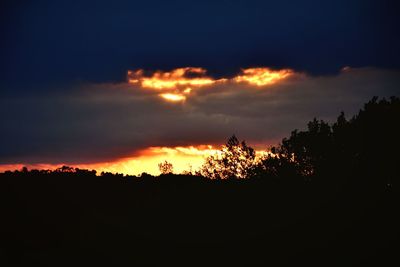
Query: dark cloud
x=103 y=121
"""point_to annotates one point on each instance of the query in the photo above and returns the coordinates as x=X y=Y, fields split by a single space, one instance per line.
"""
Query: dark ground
x=70 y=219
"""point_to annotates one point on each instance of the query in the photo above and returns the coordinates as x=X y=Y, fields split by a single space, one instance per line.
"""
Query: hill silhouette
x=326 y=196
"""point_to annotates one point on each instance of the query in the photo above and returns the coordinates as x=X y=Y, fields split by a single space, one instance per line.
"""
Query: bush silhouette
x=165 y=167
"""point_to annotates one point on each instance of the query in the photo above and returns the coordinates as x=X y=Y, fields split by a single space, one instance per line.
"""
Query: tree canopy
x=235 y=160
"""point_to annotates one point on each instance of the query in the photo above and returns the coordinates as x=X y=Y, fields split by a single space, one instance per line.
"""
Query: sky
x=122 y=85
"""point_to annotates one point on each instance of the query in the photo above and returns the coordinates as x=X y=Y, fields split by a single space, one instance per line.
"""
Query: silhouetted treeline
x=326 y=196
x=368 y=143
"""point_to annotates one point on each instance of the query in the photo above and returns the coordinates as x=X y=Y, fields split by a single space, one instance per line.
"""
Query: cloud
x=177 y=85
x=105 y=121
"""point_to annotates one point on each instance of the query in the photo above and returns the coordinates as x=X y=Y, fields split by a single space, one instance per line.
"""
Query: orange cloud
x=177 y=84
x=262 y=76
x=177 y=78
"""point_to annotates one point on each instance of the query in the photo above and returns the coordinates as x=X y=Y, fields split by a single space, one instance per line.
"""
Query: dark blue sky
x=58 y=42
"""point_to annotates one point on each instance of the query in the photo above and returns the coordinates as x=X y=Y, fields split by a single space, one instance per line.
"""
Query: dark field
x=79 y=219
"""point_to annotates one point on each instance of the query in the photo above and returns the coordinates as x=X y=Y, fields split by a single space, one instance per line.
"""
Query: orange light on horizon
x=183 y=158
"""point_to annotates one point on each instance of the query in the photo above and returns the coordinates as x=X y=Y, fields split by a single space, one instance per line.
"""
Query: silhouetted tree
x=165 y=167
x=235 y=160
x=275 y=165
x=65 y=169
x=306 y=151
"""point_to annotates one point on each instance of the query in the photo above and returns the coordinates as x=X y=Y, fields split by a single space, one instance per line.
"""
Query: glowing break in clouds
x=177 y=84
x=181 y=77
x=262 y=76
x=173 y=97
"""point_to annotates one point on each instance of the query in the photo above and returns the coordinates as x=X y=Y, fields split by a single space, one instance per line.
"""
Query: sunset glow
x=183 y=159
x=147 y=160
